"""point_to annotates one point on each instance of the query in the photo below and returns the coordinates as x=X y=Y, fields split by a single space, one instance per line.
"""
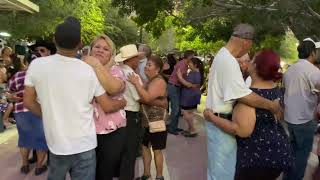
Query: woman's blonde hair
x=110 y=43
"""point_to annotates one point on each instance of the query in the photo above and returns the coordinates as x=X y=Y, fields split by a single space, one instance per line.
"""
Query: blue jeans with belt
x=301 y=139
x=222 y=154
x=81 y=166
x=174 y=96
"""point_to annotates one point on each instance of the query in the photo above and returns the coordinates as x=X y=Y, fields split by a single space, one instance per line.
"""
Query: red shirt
x=183 y=66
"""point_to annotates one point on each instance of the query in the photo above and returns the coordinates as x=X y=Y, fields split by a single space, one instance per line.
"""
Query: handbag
x=156 y=126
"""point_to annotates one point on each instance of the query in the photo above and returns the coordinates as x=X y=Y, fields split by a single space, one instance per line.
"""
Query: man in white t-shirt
x=226 y=85
x=60 y=88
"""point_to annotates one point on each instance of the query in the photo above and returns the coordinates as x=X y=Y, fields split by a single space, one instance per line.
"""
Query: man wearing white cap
x=301 y=97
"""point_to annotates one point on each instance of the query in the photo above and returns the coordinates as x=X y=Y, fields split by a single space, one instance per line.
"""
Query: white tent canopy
x=18 y=5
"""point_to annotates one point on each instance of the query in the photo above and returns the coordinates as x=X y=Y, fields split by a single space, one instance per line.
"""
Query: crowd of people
x=90 y=113
x=245 y=128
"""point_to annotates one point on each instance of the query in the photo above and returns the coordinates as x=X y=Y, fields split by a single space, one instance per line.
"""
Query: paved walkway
x=185 y=158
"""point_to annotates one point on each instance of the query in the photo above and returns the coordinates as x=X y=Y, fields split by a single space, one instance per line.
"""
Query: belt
x=174 y=85
x=225 y=116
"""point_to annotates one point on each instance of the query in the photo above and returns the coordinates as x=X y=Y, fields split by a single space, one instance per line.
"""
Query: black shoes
x=143 y=178
x=179 y=130
x=173 y=132
x=25 y=169
x=40 y=170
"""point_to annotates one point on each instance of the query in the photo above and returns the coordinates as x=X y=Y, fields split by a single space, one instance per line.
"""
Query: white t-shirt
x=301 y=98
x=248 y=81
x=226 y=83
x=130 y=94
x=65 y=88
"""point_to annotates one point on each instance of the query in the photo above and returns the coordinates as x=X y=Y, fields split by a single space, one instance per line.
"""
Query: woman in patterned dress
x=264 y=150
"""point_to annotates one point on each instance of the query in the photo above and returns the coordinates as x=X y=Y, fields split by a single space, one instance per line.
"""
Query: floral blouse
x=108 y=122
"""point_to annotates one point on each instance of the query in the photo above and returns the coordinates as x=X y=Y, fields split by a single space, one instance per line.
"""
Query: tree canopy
x=97 y=16
x=272 y=17
x=205 y=25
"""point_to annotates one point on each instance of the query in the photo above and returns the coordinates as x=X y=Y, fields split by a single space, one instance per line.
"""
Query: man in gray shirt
x=301 y=97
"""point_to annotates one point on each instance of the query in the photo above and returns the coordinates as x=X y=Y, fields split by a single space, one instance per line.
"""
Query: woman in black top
x=263 y=145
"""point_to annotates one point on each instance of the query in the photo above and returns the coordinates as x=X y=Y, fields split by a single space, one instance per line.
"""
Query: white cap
x=317 y=44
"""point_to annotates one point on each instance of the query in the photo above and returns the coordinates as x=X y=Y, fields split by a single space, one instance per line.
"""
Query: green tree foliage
x=270 y=17
x=288 y=48
x=187 y=38
x=97 y=16
x=145 y=10
x=121 y=29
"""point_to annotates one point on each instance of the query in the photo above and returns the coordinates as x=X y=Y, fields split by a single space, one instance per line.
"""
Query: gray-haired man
x=226 y=85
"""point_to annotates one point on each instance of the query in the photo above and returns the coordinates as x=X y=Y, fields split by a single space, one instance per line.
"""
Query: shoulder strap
x=144 y=112
x=147 y=117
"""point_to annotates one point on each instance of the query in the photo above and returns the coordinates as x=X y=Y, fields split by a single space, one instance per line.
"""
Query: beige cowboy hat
x=127 y=52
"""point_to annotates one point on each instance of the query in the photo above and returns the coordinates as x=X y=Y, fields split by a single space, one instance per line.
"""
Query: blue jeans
x=222 y=154
x=174 y=96
x=301 y=139
x=81 y=166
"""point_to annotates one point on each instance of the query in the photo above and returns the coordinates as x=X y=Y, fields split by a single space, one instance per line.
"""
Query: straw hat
x=127 y=52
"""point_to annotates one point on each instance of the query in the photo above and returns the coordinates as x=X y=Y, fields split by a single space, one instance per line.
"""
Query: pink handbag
x=156 y=126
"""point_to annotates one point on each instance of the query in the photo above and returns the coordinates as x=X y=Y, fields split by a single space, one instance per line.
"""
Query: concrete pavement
x=185 y=158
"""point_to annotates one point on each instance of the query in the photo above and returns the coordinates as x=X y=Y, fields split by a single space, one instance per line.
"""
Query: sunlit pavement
x=185 y=158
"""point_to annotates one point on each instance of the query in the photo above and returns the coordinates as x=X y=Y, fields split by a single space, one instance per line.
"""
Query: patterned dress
x=109 y=122
x=268 y=146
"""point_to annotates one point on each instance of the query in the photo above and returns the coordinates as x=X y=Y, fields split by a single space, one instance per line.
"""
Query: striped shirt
x=16 y=86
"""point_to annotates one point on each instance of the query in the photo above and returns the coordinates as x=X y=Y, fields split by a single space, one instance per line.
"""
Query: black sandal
x=184 y=132
x=25 y=169
x=191 y=134
x=40 y=170
x=143 y=177
x=160 y=178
